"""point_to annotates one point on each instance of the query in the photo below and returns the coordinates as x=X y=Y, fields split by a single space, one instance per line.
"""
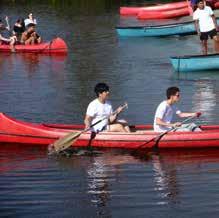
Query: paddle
x=7 y=22
x=66 y=141
x=157 y=138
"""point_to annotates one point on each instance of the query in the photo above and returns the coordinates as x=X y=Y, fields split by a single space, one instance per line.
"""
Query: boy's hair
x=172 y=91
x=101 y=87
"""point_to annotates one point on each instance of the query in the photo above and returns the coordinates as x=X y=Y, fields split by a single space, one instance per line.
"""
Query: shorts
x=204 y=35
x=189 y=127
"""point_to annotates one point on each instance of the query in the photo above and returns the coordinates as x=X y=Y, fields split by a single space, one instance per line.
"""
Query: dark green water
x=40 y=88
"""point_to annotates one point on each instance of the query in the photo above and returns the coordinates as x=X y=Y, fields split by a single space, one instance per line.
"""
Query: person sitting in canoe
x=166 y=110
x=7 y=40
x=101 y=108
x=30 y=20
x=19 y=28
x=206 y=26
x=30 y=37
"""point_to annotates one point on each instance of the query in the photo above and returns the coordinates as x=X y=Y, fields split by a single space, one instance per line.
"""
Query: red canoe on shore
x=163 y=14
x=55 y=46
x=163 y=7
x=19 y=132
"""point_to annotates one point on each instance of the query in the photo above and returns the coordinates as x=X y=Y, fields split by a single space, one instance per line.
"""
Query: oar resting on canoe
x=100 y=117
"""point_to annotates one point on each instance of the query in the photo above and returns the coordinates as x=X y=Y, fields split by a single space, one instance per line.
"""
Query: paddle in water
x=157 y=138
x=66 y=141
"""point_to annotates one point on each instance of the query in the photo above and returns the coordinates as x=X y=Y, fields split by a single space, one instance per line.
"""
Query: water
x=57 y=89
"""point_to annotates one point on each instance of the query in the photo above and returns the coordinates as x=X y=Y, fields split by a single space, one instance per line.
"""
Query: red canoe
x=14 y=131
x=163 y=7
x=55 y=46
x=216 y=5
x=163 y=14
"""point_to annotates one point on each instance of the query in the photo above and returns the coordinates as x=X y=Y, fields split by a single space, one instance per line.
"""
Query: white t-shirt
x=205 y=20
x=98 y=111
x=28 y=21
x=165 y=112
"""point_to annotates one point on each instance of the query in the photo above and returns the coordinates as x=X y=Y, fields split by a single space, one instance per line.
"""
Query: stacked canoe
x=164 y=11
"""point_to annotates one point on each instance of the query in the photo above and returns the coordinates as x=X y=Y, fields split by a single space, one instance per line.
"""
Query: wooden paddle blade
x=66 y=141
x=65 y=146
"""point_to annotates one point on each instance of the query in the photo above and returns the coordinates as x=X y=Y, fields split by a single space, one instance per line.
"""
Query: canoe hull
x=165 y=7
x=55 y=46
x=195 y=63
x=185 y=28
x=143 y=14
x=180 y=29
x=19 y=132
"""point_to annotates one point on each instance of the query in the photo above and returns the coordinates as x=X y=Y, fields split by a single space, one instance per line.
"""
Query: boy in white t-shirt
x=166 y=110
x=206 y=25
x=101 y=108
x=30 y=20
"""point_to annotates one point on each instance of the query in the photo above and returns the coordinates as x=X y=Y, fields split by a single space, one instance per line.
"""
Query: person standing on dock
x=206 y=26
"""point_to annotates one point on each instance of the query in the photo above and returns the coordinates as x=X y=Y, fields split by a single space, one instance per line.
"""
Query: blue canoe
x=195 y=62
x=182 y=28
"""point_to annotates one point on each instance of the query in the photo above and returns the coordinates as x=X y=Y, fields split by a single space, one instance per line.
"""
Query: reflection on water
x=204 y=99
x=103 y=171
x=110 y=184
x=32 y=63
x=160 y=178
x=166 y=182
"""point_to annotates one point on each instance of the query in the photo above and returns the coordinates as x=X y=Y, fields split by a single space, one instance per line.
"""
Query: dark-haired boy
x=166 y=110
x=101 y=108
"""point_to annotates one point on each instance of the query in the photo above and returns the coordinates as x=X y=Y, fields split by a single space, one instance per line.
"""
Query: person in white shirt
x=30 y=20
x=206 y=26
x=166 y=110
x=101 y=108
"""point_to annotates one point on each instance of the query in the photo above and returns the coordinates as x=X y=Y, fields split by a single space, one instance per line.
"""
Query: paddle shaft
x=7 y=22
x=157 y=138
x=107 y=117
x=65 y=142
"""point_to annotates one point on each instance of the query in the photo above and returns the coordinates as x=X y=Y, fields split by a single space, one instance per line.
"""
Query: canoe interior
x=134 y=128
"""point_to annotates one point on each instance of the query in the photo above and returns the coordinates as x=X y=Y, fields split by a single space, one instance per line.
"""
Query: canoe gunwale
x=194 y=56
x=22 y=132
x=155 y=26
